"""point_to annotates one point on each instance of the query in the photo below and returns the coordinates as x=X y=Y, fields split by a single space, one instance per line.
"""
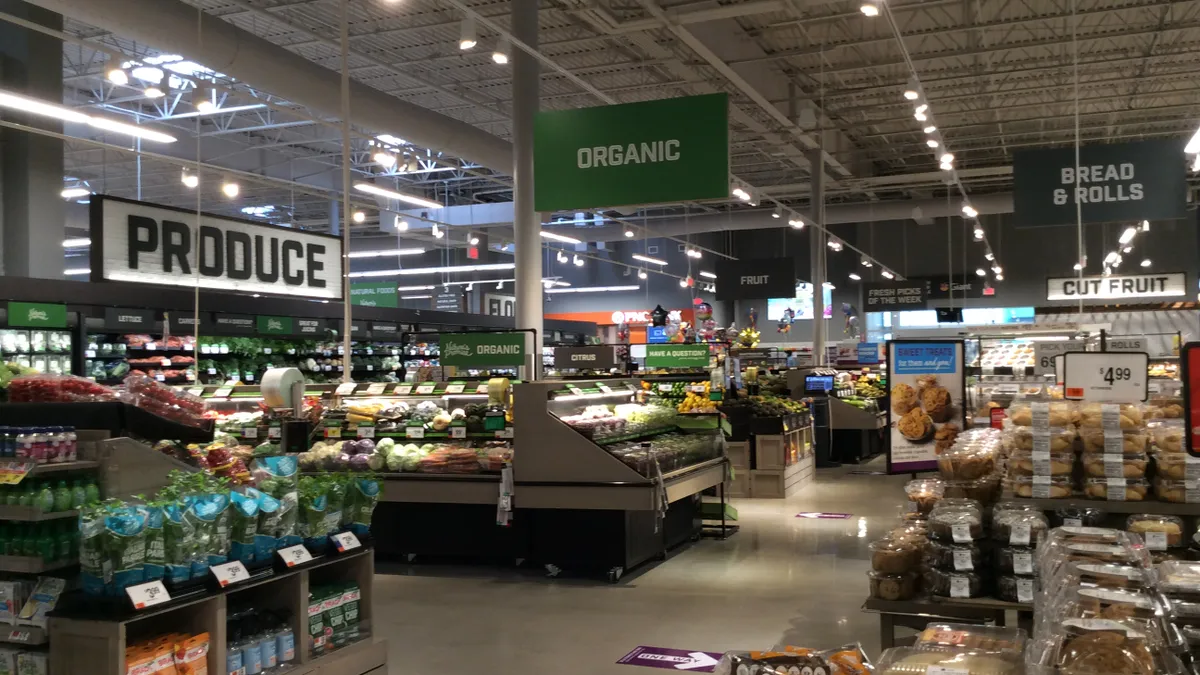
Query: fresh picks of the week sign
x=885 y=296
x=668 y=150
x=1144 y=180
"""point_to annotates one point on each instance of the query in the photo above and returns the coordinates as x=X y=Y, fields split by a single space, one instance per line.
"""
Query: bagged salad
x=243 y=513
x=362 y=494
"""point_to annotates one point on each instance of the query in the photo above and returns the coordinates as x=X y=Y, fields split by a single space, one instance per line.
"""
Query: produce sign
x=896 y=295
x=374 y=294
x=927 y=406
x=120 y=319
x=676 y=356
x=756 y=279
x=37 y=315
x=275 y=325
x=667 y=150
x=145 y=243
x=474 y=350
x=1117 y=287
x=1118 y=181
x=594 y=358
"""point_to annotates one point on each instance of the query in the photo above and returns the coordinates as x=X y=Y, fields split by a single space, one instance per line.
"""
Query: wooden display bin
x=738 y=453
x=739 y=485
x=782 y=483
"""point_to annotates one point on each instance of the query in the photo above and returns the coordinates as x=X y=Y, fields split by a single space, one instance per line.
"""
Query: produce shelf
x=25 y=564
x=24 y=635
x=32 y=514
x=650 y=433
x=41 y=469
x=1154 y=507
x=119 y=419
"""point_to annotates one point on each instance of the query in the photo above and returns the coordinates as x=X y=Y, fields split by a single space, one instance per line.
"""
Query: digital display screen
x=818 y=383
x=802 y=304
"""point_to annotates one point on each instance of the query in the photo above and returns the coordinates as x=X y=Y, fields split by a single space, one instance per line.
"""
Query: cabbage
x=360 y=462
x=376 y=462
x=428 y=407
x=410 y=463
x=411 y=448
x=395 y=462
x=365 y=446
x=385 y=445
x=342 y=461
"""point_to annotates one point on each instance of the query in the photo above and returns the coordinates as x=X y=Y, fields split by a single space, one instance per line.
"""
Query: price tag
x=249 y=377
x=458 y=432
x=414 y=432
x=1110 y=417
x=665 y=388
x=1114 y=466
x=150 y=346
x=402 y=390
x=365 y=431
x=962 y=560
x=426 y=388
x=1019 y=534
x=1040 y=414
x=1115 y=489
x=1024 y=590
x=1156 y=541
x=376 y=388
x=341 y=368
x=18 y=636
x=345 y=541
x=506 y=432
x=575 y=390
x=604 y=388
x=1041 y=461
x=196 y=391
x=274 y=431
x=327 y=367
x=1041 y=442
x=166 y=363
x=148 y=594
x=696 y=389
x=345 y=389
x=266 y=350
x=212 y=371
x=333 y=432
x=481 y=389
x=1022 y=563
x=1106 y=377
x=370 y=367
x=294 y=555
x=370 y=352
x=223 y=349
x=960 y=587
x=250 y=432
x=1072 y=522
x=223 y=392
x=455 y=388
x=230 y=573
x=205 y=349
x=160 y=377
x=961 y=533
x=90 y=353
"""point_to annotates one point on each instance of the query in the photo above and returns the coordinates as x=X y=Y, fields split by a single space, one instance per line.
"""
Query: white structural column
x=817 y=254
x=526 y=224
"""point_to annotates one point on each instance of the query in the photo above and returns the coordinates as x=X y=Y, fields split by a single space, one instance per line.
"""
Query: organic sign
x=885 y=296
x=1119 y=181
x=37 y=315
x=1117 y=286
x=756 y=279
x=373 y=294
x=275 y=325
x=668 y=150
x=479 y=350
x=676 y=356
x=144 y=243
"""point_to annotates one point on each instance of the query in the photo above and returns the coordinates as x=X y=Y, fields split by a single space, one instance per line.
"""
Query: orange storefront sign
x=614 y=317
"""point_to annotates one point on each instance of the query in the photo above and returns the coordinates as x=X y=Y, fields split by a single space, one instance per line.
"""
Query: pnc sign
x=642 y=316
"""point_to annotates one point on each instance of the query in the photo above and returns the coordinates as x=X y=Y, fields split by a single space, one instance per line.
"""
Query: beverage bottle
x=27 y=496
x=28 y=541
x=4 y=540
x=47 y=546
x=78 y=494
x=62 y=497
x=23 y=448
x=5 y=440
x=252 y=655
x=44 y=498
x=12 y=496
x=53 y=445
x=93 y=492
x=269 y=648
x=72 y=445
x=285 y=641
x=64 y=540
x=234 y=664
x=41 y=444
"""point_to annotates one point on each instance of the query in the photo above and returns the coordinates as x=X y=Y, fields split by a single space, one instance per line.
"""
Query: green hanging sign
x=275 y=325
x=676 y=356
x=36 y=315
x=374 y=294
x=479 y=350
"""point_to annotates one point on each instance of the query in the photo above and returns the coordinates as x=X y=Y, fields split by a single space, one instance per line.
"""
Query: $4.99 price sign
x=1106 y=377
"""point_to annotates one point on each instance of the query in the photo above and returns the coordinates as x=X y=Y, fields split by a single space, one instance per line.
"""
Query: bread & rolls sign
x=927 y=409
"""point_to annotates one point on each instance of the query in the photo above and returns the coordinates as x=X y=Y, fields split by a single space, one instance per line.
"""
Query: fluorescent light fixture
x=77 y=243
x=391 y=140
x=118 y=76
x=1128 y=235
x=131 y=130
x=560 y=237
x=629 y=233
x=415 y=288
x=1193 y=145
x=77 y=271
x=778 y=212
x=947 y=158
x=796 y=223
x=921 y=117
x=467 y=39
x=500 y=55
x=922 y=108
x=980 y=271
x=887 y=275
x=594 y=289
x=708 y=275
x=385 y=253
x=855 y=277
x=642 y=274
x=648 y=259
x=870 y=7
x=433 y=270
x=36 y=107
x=371 y=188
x=932 y=143
x=75 y=193
x=359 y=217
x=189 y=179
x=230 y=189
x=930 y=129
x=415 y=297
x=215 y=110
x=1146 y=262
x=384 y=158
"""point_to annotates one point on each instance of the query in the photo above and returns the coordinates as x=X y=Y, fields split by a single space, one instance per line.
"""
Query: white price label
x=345 y=541
x=160 y=377
x=250 y=432
x=166 y=363
x=1156 y=541
x=345 y=388
x=224 y=349
x=414 y=432
x=458 y=432
x=1105 y=377
x=665 y=388
x=229 y=573
x=425 y=388
x=148 y=594
x=274 y=432
x=1115 y=490
x=266 y=350
x=1024 y=590
x=1022 y=563
x=604 y=388
x=196 y=391
x=151 y=346
x=960 y=587
x=212 y=371
x=506 y=432
x=89 y=353
x=223 y=392
x=1044 y=353
x=294 y=555
x=402 y=390
x=370 y=367
x=205 y=349
x=327 y=367
x=19 y=636
x=697 y=388
x=575 y=390
x=365 y=431
x=376 y=388
x=1040 y=415
x=962 y=560
x=1072 y=522
x=1019 y=534
x=341 y=368
x=961 y=533
x=455 y=388
x=481 y=389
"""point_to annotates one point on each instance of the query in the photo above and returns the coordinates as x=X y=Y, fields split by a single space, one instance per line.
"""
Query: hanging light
x=189 y=179
x=979 y=234
x=153 y=91
x=997 y=269
x=500 y=55
x=359 y=217
x=467 y=38
x=384 y=158
x=989 y=256
x=930 y=129
x=913 y=92
x=946 y=166
x=471 y=286
x=499 y=285
x=1145 y=226
x=999 y=277
x=628 y=233
x=922 y=108
x=887 y=274
x=795 y=222
x=969 y=211
x=979 y=271
x=642 y=274
x=207 y=103
x=561 y=257
x=870 y=7
x=1146 y=262
x=577 y=260
x=1127 y=249
x=1128 y=235
x=866 y=262
x=474 y=241
x=834 y=244
x=778 y=212
x=1078 y=266
x=118 y=76
x=921 y=116
x=683 y=283
x=855 y=277
x=947 y=158
x=438 y=233
x=931 y=143
x=230 y=188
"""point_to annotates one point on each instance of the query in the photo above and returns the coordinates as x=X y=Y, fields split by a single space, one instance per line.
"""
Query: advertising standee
x=927 y=406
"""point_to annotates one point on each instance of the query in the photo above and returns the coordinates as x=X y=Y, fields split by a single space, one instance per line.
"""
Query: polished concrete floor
x=781 y=579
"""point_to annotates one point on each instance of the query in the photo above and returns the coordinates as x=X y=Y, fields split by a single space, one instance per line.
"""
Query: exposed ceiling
x=999 y=76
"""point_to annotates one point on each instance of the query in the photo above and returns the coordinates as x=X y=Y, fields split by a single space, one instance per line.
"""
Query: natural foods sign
x=36 y=315
x=1117 y=287
x=757 y=279
x=275 y=325
x=927 y=407
x=669 y=150
x=145 y=243
x=1144 y=180
x=374 y=294
x=676 y=356
x=481 y=350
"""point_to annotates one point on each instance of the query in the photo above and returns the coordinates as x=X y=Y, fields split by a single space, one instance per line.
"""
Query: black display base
x=854 y=446
x=119 y=419
x=405 y=529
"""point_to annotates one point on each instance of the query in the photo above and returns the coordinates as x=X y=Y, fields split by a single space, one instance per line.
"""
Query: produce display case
x=46 y=351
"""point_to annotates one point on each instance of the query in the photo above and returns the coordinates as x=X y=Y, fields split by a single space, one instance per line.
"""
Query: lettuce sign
x=482 y=350
x=676 y=356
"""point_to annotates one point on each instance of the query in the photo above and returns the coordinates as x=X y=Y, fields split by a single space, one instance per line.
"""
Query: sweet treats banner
x=927 y=409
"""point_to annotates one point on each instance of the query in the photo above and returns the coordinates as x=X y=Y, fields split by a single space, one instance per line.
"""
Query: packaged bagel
x=1177 y=466
x=1032 y=462
x=1167 y=435
x=1043 y=415
x=1104 y=465
x=1177 y=491
x=1030 y=439
x=1116 y=416
x=1116 y=489
x=1041 y=487
x=1113 y=441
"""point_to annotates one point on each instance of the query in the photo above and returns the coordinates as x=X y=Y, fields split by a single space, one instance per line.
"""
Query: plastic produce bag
x=361 y=497
x=126 y=528
x=279 y=478
x=179 y=543
x=313 y=504
x=155 y=566
x=335 y=490
x=243 y=514
x=267 y=537
x=95 y=569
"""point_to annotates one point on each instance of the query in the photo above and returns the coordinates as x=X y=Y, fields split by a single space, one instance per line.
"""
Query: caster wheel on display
x=410 y=557
x=614 y=574
x=552 y=570
x=519 y=561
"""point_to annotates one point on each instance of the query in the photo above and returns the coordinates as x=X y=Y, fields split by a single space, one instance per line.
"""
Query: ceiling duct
x=178 y=28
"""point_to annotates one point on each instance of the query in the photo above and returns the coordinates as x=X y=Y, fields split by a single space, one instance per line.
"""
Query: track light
x=834 y=244
x=578 y=262
x=206 y=103
x=500 y=55
x=979 y=271
x=989 y=256
x=855 y=277
x=499 y=285
x=642 y=274
x=384 y=158
x=969 y=211
x=189 y=179
x=359 y=217
x=778 y=212
x=946 y=166
x=1145 y=226
x=1078 y=267
x=795 y=222
x=75 y=193
x=399 y=224
x=921 y=116
x=922 y=108
x=437 y=231
x=467 y=38
x=471 y=286
x=932 y=143
x=1128 y=235
x=888 y=275
x=997 y=269
x=683 y=283
x=230 y=188
x=947 y=158
x=1146 y=262
x=474 y=241
x=561 y=257
x=870 y=7
x=930 y=129
x=1111 y=257
x=866 y=262
x=979 y=234
x=628 y=233
x=118 y=76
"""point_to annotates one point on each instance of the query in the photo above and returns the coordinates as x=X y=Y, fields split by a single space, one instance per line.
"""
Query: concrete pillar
x=817 y=254
x=526 y=225
x=335 y=218
x=31 y=166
